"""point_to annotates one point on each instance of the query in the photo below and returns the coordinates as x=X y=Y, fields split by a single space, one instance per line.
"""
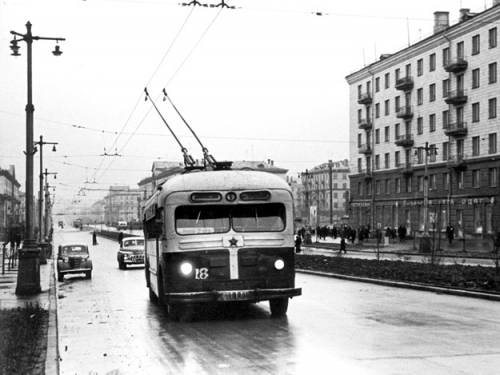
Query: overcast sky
x=263 y=81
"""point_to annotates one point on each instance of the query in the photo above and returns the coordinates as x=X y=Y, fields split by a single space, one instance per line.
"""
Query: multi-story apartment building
x=325 y=189
x=424 y=121
x=122 y=204
x=10 y=203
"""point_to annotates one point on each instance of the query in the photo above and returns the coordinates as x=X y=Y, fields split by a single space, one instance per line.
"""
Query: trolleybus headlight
x=279 y=264
x=186 y=268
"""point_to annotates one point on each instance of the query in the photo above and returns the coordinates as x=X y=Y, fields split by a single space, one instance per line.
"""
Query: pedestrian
x=94 y=238
x=120 y=237
x=342 y=246
x=450 y=232
x=298 y=242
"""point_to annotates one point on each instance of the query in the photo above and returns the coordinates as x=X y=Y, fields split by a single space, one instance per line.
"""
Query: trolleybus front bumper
x=254 y=295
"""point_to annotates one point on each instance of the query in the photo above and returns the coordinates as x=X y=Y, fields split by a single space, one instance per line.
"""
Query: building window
x=420 y=96
x=446 y=150
x=397 y=104
x=387 y=80
x=446 y=119
x=432 y=92
x=460 y=147
x=377 y=84
x=377 y=110
x=420 y=181
x=460 y=50
x=475 y=112
x=360 y=115
x=460 y=179
x=396 y=131
x=432 y=182
x=475 y=78
x=377 y=162
x=432 y=123
x=432 y=62
x=360 y=165
x=420 y=155
x=475 y=146
x=387 y=161
x=387 y=187
x=408 y=184
x=420 y=125
x=446 y=56
x=492 y=177
x=386 y=105
x=492 y=37
x=359 y=91
x=397 y=183
x=420 y=67
x=492 y=72
x=377 y=136
x=397 y=159
x=446 y=88
x=476 y=178
x=377 y=187
x=432 y=153
x=386 y=134
x=478 y=224
x=492 y=108
x=476 y=42
x=360 y=140
x=446 y=181
x=397 y=74
x=492 y=143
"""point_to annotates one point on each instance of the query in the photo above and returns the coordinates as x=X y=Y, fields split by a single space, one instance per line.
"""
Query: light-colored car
x=73 y=258
x=131 y=252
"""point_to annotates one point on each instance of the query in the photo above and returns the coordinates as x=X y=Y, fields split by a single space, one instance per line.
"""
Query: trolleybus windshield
x=220 y=219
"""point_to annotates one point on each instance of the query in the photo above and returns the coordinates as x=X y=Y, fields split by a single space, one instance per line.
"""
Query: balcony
x=365 y=149
x=405 y=112
x=459 y=162
x=458 y=129
x=406 y=168
x=366 y=173
x=365 y=99
x=457 y=97
x=404 y=84
x=457 y=65
x=365 y=124
x=405 y=140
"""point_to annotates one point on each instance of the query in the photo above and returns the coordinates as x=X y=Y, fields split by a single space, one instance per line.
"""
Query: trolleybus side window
x=153 y=228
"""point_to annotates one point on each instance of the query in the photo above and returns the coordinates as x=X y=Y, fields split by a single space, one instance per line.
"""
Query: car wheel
x=60 y=276
x=279 y=307
x=88 y=274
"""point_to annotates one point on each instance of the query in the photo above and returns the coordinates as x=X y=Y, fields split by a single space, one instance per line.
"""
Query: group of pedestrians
x=14 y=240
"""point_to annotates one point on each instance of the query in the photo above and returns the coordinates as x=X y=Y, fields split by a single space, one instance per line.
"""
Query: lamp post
x=28 y=277
x=47 y=202
x=42 y=230
x=425 y=240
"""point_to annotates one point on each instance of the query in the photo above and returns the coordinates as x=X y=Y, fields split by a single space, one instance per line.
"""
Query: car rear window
x=74 y=249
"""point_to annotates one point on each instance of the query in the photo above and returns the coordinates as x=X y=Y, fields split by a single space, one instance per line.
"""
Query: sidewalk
x=473 y=248
x=47 y=299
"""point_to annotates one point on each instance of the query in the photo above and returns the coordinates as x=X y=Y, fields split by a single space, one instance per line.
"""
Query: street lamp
x=42 y=230
x=28 y=277
x=425 y=240
x=47 y=202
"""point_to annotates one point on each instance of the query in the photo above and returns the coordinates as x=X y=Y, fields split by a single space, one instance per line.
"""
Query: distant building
x=325 y=190
x=10 y=202
x=122 y=204
x=425 y=120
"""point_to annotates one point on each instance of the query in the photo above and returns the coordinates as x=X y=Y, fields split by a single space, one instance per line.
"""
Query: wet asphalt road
x=108 y=326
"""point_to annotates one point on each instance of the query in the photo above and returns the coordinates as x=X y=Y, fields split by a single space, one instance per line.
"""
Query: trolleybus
x=220 y=236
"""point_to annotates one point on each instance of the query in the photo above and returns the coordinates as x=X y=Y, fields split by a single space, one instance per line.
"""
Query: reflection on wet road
x=108 y=326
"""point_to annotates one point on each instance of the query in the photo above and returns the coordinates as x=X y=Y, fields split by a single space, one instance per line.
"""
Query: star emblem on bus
x=233 y=242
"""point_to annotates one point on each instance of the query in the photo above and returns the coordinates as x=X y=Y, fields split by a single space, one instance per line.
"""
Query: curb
x=52 y=357
x=399 y=284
